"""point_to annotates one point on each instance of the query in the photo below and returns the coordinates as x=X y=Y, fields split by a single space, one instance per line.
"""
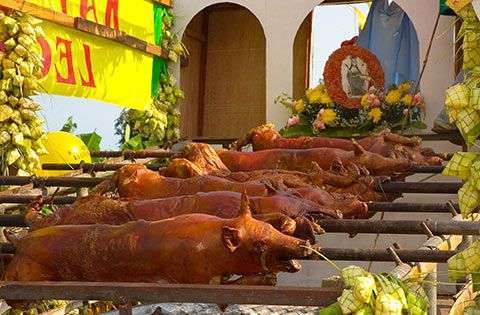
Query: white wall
x=281 y=20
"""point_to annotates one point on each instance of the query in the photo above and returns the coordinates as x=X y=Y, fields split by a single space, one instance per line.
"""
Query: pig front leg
x=307 y=229
x=279 y=221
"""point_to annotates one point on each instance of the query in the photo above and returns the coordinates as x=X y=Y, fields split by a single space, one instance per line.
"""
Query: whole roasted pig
x=136 y=181
x=327 y=158
x=288 y=214
x=146 y=184
x=385 y=143
x=200 y=159
x=193 y=248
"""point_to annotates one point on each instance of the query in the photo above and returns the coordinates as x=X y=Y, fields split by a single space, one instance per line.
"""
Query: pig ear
x=231 y=238
x=245 y=206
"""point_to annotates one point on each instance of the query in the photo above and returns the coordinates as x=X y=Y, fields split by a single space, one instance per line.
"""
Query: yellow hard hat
x=63 y=147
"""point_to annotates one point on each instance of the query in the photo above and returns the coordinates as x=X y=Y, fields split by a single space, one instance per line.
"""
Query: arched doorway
x=302 y=57
x=320 y=34
x=224 y=78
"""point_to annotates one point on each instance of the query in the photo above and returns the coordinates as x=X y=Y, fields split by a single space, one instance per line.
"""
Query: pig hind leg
x=26 y=269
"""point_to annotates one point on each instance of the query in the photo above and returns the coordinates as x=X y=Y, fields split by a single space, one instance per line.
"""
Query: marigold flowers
x=405 y=87
x=375 y=115
x=318 y=95
x=327 y=116
x=407 y=100
x=299 y=106
x=315 y=112
x=393 y=96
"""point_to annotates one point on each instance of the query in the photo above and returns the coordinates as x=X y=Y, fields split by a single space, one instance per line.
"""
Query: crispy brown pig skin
x=286 y=213
x=385 y=143
x=194 y=248
x=136 y=181
x=301 y=160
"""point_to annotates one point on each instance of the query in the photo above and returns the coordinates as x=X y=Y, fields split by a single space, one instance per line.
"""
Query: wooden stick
x=425 y=61
x=169 y=293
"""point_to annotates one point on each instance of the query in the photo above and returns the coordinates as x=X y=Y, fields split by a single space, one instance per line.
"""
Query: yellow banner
x=82 y=65
x=134 y=17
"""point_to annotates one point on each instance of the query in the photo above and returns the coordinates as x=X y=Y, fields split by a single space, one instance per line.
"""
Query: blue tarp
x=391 y=36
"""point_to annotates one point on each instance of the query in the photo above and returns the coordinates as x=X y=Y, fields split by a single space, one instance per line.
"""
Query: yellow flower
x=314 y=96
x=299 y=106
x=375 y=115
x=393 y=96
x=328 y=116
x=318 y=95
x=405 y=87
x=325 y=99
x=364 y=102
x=407 y=100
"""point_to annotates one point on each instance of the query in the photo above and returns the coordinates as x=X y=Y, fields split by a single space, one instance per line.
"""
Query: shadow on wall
x=224 y=78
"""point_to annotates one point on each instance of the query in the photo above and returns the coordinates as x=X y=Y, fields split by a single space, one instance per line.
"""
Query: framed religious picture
x=350 y=72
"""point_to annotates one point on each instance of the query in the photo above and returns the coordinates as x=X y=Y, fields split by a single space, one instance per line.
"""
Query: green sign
x=445 y=9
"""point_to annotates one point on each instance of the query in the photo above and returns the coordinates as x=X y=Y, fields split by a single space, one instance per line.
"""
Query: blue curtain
x=391 y=36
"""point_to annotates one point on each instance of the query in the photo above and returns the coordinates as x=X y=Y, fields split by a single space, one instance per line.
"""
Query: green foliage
x=92 y=140
x=70 y=126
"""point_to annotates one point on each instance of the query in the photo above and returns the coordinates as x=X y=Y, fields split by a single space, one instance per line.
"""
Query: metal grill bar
x=420 y=188
x=412 y=207
x=388 y=187
x=349 y=254
x=172 y=293
x=400 y=227
x=372 y=206
x=92 y=167
x=129 y=155
x=26 y=199
x=50 y=181
x=104 y=167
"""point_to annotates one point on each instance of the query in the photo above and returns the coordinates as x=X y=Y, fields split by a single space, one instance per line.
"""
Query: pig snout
x=286 y=259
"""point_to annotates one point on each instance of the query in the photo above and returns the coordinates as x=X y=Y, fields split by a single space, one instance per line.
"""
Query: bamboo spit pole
x=169 y=293
x=387 y=187
x=400 y=227
x=348 y=254
x=103 y=167
x=352 y=226
x=92 y=167
x=372 y=206
x=26 y=199
x=420 y=187
x=129 y=155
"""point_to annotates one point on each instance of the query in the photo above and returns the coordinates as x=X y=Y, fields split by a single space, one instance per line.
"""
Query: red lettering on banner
x=85 y=8
x=88 y=63
x=64 y=6
x=112 y=9
x=67 y=55
x=46 y=55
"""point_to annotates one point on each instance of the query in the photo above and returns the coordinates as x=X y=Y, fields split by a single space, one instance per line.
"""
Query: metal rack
x=443 y=240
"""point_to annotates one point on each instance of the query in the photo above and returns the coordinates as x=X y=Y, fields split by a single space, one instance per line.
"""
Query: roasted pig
x=193 y=248
x=385 y=143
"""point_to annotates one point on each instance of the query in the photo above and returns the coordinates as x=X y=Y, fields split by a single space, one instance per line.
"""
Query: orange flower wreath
x=333 y=73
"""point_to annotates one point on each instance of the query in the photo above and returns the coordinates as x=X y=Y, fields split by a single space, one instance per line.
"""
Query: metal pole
x=420 y=188
x=431 y=290
x=348 y=254
x=400 y=227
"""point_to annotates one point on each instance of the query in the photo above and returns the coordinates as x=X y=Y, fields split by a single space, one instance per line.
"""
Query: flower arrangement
x=316 y=113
